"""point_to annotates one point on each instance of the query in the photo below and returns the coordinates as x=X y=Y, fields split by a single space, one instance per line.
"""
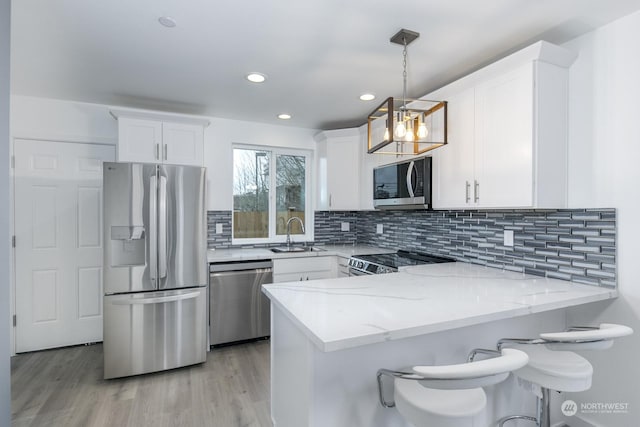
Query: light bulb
x=409 y=136
x=400 y=130
x=422 y=130
x=386 y=134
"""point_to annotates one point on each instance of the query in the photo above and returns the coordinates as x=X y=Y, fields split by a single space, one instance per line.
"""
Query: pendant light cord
x=404 y=74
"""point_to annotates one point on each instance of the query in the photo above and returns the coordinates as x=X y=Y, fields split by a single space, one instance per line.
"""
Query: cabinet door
x=139 y=140
x=343 y=176
x=307 y=268
x=183 y=144
x=453 y=172
x=504 y=140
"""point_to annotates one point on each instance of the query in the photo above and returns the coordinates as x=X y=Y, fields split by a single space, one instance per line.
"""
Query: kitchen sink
x=284 y=249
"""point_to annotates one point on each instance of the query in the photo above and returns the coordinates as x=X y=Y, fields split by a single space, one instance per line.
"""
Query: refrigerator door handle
x=156 y=300
x=153 y=228
x=162 y=228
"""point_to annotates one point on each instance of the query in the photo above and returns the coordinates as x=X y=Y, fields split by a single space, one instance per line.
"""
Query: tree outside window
x=255 y=216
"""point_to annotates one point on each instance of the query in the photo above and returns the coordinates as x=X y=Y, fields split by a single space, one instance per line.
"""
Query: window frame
x=273 y=238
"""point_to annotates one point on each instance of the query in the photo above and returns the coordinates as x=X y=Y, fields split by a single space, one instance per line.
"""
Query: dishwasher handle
x=253 y=271
x=241 y=266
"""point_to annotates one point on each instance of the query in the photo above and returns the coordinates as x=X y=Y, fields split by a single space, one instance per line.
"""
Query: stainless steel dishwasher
x=238 y=310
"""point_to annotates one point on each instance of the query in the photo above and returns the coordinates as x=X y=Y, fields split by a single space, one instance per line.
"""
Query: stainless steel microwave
x=403 y=185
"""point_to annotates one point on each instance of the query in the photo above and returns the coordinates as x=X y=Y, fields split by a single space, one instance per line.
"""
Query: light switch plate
x=379 y=229
x=508 y=237
x=218 y=228
x=344 y=226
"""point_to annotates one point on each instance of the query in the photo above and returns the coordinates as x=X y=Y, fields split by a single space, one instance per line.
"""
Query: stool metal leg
x=542 y=409
x=544 y=412
x=516 y=417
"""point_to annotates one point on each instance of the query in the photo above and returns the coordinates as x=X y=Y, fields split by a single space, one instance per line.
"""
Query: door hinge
x=14 y=320
x=13 y=241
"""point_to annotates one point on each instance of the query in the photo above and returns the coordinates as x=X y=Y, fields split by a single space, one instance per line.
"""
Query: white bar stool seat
x=449 y=395
x=553 y=366
x=555 y=370
x=427 y=407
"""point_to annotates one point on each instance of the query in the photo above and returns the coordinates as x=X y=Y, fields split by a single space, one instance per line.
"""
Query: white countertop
x=251 y=254
x=342 y=313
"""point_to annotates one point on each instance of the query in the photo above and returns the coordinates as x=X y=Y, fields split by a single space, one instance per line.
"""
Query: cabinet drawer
x=302 y=276
x=305 y=265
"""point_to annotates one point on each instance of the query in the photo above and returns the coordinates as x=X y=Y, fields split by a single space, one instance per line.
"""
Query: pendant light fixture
x=415 y=125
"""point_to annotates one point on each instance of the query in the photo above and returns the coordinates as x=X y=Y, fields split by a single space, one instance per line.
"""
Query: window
x=264 y=202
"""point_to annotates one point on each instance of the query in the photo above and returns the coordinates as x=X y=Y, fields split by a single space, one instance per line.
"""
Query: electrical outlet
x=379 y=229
x=344 y=226
x=218 y=228
x=508 y=237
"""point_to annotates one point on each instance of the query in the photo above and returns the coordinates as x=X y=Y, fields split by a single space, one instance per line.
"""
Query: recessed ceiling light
x=256 y=77
x=284 y=116
x=167 y=21
x=367 y=97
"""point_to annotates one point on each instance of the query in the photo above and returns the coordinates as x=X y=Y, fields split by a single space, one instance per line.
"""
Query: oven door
x=353 y=272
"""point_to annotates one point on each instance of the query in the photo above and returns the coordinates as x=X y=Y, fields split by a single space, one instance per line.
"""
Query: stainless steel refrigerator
x=155 y=268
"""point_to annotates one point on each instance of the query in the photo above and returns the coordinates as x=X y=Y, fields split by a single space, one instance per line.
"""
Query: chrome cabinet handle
x=330 y=200
x=467 y=196
x=157 y=151
x=165 y=151
x=476 y=191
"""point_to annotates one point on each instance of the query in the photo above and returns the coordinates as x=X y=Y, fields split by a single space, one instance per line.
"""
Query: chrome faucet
x=289 y=229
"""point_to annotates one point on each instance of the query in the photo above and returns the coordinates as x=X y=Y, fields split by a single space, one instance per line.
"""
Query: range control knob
x=360 y=264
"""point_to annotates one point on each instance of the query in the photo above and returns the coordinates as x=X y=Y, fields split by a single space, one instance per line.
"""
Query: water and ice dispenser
x=127 y=246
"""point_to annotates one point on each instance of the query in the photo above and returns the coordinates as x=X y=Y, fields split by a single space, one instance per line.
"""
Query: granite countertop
x=337 y=314
x=251 y=254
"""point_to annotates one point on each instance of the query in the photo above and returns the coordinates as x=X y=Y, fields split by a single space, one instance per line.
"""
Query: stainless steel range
x=389 y=263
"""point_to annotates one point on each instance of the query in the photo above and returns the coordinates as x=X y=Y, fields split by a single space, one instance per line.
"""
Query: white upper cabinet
x=453 y=176
x=183 y=143
x=160 y=138
x=338 y=168
x=507 y=129
x=504 y=140
x=139 y=140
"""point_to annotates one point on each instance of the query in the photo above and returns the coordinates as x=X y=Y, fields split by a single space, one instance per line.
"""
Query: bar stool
x=448 y=395
x=553 y=366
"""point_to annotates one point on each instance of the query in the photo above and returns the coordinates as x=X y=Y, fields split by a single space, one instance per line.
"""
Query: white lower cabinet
x=303 y=269
x=343 y=266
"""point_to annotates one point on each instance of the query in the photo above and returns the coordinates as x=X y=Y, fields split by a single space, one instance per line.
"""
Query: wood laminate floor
x=64 y=387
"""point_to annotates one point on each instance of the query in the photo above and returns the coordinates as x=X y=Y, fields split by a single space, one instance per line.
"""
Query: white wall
x=604 y=171
x=5 y=351
x=52 y=119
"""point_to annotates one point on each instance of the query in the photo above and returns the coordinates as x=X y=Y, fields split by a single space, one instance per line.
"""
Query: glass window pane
x=290 y=192
x=250 y=194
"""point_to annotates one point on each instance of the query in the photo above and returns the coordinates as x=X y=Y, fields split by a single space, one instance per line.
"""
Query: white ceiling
x=319 y=56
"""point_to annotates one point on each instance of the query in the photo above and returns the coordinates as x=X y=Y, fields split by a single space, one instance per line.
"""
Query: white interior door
x=58 y=254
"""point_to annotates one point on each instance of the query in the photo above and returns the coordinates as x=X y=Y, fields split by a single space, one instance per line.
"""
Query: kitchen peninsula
x=329 y=337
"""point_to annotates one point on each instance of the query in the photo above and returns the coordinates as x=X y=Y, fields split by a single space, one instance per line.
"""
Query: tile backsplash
x=222 y=240
x=570 y=244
